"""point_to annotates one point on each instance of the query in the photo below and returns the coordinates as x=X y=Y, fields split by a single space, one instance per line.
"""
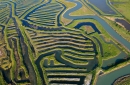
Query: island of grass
x=122 y=7
x=125 y=80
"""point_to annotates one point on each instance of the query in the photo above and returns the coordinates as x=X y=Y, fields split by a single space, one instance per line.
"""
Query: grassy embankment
x=95 y=76
x=119 y=29
x=116 y=67
x=123 y=7
x=125 y=80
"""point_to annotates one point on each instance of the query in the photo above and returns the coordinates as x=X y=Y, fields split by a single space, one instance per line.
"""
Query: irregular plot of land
x=120 y=21
x=109 y=50
x=4 y=60
x=77 y=52
x=65 y=21
x=1 y=53
x=125 y=24
x=82 y=11
x=114 y=19
x=119 y=29
x=88 y=29
x=125 y=80
x=123 y=8
x=66 y=40
x=68 y=6
x=1 y=39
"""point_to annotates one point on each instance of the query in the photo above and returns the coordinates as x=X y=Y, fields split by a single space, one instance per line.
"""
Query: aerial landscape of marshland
x=64 y=42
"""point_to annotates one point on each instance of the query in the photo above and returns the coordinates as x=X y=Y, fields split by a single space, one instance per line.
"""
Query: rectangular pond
x=103 y=6
x=124 y=23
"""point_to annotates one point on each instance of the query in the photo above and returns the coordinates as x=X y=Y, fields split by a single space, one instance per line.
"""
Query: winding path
x=106 y=26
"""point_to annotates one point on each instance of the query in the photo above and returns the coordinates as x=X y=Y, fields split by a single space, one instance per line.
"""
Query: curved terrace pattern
x=37 y=49
x=82 y=48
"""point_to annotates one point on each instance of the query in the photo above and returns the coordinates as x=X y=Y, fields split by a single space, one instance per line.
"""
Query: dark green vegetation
x=37 y=49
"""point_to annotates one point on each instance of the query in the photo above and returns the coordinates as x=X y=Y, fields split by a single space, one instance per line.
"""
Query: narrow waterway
x=108 y=79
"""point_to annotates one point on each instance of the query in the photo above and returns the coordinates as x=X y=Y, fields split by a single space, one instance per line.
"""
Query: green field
x=122 y=7
x=123 y=81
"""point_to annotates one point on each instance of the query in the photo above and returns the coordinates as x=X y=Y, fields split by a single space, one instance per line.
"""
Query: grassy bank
x=119 y=29
x=122 y=7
